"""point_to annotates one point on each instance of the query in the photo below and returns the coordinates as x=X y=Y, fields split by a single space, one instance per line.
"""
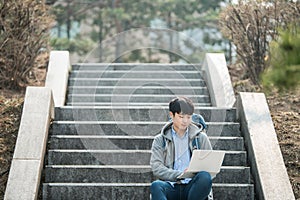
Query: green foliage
x=68 y=12
x=188 y=14
x=136 y=55
x=80 y=46
x=284 y=72
x=112 y=17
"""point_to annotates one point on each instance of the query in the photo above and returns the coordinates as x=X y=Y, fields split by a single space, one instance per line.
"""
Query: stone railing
x=38 y=111
x=267 y=165
x=218 y=80
x=27 y=164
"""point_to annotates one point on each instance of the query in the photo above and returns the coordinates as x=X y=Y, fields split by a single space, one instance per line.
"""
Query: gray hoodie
x=163 y=153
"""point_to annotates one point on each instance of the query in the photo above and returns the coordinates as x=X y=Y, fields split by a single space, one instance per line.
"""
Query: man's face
x=181 y=122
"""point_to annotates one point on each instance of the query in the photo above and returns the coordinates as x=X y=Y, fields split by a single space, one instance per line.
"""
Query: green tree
x=284 y=71
x=115 y=16
x=118 y=16
x=68 y=12
x=182 y=15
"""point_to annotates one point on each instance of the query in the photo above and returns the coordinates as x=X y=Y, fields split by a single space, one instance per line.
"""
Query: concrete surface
x=268 y=169
x=218 y=80
x=83 y=149
x=26 y=169
x=57 y=75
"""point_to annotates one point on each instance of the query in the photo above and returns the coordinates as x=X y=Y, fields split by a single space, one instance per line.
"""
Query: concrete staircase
x=99 y=144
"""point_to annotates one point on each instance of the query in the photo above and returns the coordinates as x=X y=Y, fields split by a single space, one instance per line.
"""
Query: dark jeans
x=197 y=189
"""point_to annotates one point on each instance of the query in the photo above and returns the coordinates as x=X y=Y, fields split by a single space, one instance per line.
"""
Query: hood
x=166 y=130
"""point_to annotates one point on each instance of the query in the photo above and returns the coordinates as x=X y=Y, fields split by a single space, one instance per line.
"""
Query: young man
x=171 y=153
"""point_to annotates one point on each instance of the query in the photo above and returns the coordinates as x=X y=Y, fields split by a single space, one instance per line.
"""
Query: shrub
x=251 y=25
x=76 y=45
x=284 y=71
x=24 y=26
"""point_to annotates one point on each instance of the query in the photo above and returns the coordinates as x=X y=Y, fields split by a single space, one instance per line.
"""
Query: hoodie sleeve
x=158 y=159
x=204 y=141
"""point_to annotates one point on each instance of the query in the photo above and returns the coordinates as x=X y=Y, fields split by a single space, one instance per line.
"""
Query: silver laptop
x=204 y=160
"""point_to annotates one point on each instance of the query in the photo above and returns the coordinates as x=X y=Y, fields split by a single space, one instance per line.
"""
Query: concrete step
x=131 y=142
x=133 y=128
x=135 y=113
x=131 y=98
x=138 y=82
x=129 y=174
x=122 y=157
x=135 y=66
x=178 y=91
x=112 y=104
x=100 y=149
x=133 y=191
x=135 y=74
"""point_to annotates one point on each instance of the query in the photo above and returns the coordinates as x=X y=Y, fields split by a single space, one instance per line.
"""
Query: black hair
x=181 y=105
